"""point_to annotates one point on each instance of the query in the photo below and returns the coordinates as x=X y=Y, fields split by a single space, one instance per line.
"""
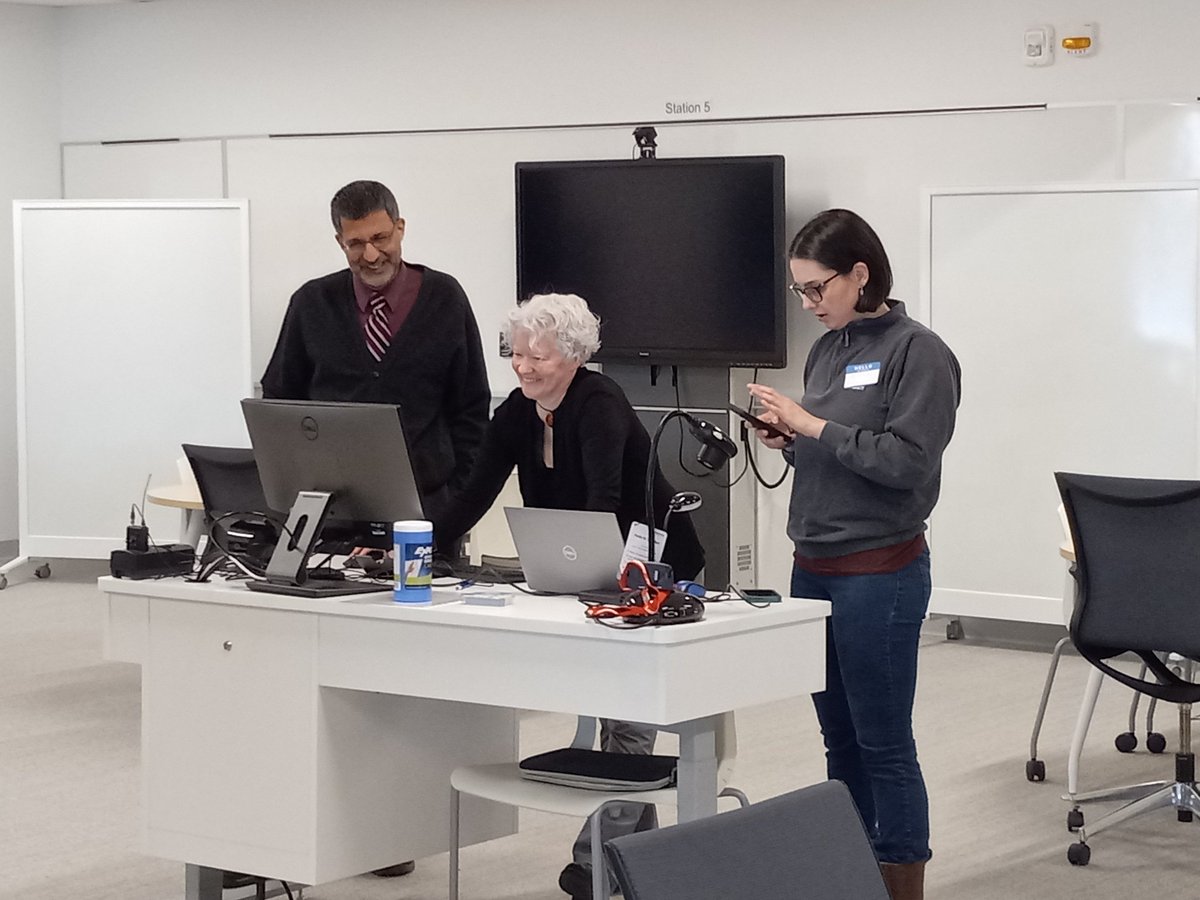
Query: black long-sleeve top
x=600 y=456
x=433 y=370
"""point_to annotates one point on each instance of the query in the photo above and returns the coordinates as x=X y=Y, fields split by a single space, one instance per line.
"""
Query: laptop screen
x=565 y=551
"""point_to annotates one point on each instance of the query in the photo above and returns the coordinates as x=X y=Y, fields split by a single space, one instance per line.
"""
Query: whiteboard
x=1073 y=311
x=133 y=336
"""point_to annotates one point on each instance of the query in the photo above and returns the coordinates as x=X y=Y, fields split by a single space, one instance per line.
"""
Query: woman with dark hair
x=866 y=443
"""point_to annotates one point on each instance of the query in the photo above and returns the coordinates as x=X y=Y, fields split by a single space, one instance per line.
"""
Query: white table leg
x=190 y=527
x=697 y=768
x=202 y=883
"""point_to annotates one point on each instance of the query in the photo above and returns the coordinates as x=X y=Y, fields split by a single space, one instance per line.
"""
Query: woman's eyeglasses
x=815 y=293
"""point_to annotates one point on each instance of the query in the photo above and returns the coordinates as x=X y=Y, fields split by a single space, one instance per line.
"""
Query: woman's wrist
x=812 y=427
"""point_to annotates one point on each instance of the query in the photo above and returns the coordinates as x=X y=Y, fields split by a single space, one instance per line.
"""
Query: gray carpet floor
x=69 y=774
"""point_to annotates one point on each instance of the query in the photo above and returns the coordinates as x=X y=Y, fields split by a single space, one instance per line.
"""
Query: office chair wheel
x=1035 y=770
x=3 y=582
x=1075 y=820
x=954 y=630
x=1155 y=742
x=1183 y=815
x=1079 y=854
x=1126 y=742
x=42 y=571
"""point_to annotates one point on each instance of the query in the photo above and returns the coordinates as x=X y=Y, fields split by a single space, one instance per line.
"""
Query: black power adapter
x=140 y=560
x=157 y=562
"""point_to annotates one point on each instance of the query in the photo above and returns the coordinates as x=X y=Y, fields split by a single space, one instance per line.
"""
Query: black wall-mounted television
x=682 y=259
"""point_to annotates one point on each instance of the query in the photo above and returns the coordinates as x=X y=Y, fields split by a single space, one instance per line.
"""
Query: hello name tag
x=859 y=375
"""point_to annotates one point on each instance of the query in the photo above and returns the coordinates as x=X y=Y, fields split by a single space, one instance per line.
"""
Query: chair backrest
x=1066 y=528
x=809 y=844
x=227 y=478
x=1138 y=570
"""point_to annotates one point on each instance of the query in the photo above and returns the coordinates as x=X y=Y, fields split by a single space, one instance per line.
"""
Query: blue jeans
x=865 y=710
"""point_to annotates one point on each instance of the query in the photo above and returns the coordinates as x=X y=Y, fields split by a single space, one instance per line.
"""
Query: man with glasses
x=384 y=330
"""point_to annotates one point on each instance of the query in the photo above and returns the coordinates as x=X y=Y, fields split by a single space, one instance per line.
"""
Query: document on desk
x=637 y=544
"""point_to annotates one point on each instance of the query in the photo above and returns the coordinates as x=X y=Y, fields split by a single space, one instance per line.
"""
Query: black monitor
x=324 y=461
x=683 y=260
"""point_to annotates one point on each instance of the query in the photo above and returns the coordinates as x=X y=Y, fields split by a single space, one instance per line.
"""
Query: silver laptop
x=565 y=551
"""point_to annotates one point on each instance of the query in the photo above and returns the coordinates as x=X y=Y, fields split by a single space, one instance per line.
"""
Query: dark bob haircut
x=839 y=238
x=359 y=199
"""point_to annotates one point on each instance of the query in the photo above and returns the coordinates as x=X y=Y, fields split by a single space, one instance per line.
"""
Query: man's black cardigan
x=434 y=370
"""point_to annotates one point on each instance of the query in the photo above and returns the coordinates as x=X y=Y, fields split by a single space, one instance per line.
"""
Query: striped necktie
x=378 y=333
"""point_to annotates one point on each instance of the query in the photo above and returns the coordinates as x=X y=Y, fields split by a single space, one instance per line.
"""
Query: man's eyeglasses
x=815 y=293
x=355 y=248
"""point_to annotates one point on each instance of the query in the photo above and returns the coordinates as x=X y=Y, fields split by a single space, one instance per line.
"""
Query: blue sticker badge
x=859 y=375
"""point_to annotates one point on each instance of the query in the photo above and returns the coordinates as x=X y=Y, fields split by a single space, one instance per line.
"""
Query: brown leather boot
x=905 y=881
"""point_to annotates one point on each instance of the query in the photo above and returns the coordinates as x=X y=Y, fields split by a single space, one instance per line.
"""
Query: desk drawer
x=229 y=714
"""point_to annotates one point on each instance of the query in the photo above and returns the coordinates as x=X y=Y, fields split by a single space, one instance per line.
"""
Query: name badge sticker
x=859 y=375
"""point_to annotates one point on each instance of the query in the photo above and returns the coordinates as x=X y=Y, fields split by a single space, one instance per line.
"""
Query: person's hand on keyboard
x=373 y=562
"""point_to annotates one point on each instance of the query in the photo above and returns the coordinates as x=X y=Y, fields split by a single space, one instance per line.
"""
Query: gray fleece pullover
x=889 y=388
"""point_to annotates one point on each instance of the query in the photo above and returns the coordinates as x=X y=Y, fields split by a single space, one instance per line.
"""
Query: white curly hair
x=563 y=317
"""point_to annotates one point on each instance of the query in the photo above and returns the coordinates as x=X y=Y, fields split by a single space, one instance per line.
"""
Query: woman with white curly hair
x=571 y=433
x=576 y=443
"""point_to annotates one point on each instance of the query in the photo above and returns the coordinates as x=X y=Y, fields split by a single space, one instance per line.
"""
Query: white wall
x=181 y=68
x=223 y=74
x=29 y=168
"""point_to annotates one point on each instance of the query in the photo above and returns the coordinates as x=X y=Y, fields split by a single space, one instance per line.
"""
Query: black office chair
x=229 y=484
x=809 y=844
x=1138 y=571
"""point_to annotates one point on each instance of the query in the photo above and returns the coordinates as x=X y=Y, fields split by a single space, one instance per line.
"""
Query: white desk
x=311 y=740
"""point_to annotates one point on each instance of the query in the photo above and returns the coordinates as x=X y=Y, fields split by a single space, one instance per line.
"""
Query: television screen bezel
x=776 y=357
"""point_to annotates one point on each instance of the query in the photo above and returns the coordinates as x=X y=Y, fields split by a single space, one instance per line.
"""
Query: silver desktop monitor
x=352 y=456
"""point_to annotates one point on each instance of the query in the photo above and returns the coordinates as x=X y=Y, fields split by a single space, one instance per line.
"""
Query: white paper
x=636 y=544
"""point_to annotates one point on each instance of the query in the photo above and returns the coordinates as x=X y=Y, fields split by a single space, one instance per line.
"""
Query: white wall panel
x=1162 y=141
x=29 y=168
x=132 y=343
x=166 y=171
x=187 y=68
x=1073 y=312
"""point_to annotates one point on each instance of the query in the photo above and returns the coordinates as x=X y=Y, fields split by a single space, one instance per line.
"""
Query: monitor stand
x=287 y=572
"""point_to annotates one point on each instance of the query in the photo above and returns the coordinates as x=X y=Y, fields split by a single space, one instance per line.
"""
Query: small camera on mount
x=646 y=139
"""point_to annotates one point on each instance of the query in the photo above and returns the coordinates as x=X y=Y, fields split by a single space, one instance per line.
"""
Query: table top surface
x=527 y=613
x=181 y=496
